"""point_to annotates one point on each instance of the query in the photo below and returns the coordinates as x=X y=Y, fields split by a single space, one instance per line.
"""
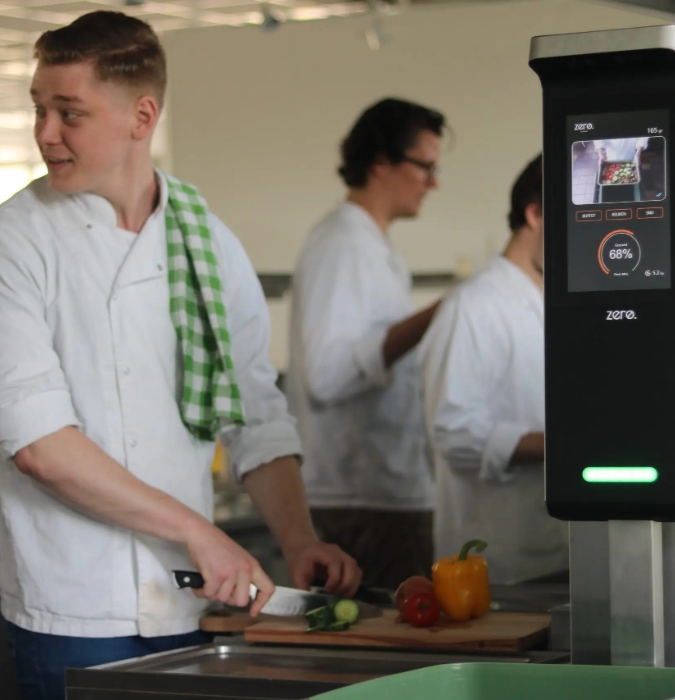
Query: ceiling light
x=376 y=36
x=270 y=21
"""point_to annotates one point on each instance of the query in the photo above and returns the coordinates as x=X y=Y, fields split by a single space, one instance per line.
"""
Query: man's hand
x=344 y=574
x=638 y=156
x=530 y=450
x=228 y=570
x=602 y=154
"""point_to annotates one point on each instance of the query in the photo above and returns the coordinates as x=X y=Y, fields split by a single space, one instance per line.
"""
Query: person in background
x=483 y=368
x=353 y=382
x=626 y=150
x=134 y=333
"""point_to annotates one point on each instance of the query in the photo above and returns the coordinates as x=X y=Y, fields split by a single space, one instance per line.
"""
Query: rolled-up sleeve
x=467 y=355
x=342 y=346
x=269 y=431
x=35 y=400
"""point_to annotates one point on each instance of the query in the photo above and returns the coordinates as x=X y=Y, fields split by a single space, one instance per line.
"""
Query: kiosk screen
x=618 y=219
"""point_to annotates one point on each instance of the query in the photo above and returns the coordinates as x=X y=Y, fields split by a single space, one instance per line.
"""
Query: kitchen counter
x=531 y=596
x=229 y=669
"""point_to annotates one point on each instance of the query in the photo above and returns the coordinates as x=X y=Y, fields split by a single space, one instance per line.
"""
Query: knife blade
x=286 y=602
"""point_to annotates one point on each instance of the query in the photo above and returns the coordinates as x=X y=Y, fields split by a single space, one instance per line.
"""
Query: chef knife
x=287 y=602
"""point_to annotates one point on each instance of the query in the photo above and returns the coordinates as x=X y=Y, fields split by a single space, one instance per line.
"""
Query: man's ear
x=146 y=112
x=533 y=215
x=379 y=167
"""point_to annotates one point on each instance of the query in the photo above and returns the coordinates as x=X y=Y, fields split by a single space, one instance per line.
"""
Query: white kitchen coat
x=361 y=424
x=88 y=341
x=483 y=365
x=621 y=149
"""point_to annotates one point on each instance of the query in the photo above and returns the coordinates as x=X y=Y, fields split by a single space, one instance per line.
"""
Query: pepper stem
x=478 y=544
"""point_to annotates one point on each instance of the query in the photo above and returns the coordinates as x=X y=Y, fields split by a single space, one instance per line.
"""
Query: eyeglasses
x=431 y=169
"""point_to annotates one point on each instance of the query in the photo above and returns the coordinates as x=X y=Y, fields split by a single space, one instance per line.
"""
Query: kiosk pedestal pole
x=617 y=577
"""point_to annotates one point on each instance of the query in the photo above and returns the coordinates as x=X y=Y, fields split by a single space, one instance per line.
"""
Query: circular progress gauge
x=619 y=253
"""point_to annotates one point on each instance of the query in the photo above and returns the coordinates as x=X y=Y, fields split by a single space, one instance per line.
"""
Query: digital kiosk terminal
x=609 y=105
x=609 y=110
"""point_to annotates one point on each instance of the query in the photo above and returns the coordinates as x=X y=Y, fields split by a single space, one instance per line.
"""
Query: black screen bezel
x=556 y=179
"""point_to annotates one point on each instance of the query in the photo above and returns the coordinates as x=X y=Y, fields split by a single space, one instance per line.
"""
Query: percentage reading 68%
x=621 y=253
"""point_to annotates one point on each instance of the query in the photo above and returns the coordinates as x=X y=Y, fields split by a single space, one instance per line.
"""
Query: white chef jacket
x=621 y=149
x=360 y=423
x=483 y=365
x=88 y=341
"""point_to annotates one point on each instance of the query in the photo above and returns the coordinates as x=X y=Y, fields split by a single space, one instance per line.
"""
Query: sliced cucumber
x=346 y=611
x=339 y=626
x=333 y=618
x=320 y=618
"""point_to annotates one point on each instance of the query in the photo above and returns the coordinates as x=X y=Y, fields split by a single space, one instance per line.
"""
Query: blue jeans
x=41 y=659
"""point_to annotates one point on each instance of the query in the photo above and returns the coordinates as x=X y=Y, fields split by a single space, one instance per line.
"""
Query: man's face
x=410 y=181
x=83 y=127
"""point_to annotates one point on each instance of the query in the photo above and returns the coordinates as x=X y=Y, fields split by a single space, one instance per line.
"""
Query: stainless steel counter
x=230 y=669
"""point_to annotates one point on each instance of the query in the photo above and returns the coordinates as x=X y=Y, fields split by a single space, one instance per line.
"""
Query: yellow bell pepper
x=461 y=583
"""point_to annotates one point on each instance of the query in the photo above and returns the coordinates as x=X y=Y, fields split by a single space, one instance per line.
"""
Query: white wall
x=257 y=117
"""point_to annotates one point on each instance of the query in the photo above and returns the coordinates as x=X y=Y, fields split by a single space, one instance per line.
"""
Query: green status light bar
x=620 y=475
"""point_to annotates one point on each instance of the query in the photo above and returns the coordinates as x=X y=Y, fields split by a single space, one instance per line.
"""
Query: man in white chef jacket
x=353 y=382
x=483 y=366
x=134 y=331
x=627 y=150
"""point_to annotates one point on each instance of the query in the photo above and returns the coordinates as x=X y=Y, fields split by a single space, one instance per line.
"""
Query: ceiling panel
x=22 y=21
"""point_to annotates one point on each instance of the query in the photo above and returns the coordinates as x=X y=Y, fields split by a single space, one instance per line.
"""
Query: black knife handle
x=188 y=579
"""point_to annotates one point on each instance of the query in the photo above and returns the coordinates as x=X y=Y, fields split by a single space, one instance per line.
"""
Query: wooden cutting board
x=223 y=621
x=498 y=631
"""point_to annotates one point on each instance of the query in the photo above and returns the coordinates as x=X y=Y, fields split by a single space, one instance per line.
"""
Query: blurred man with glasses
x=353 y=382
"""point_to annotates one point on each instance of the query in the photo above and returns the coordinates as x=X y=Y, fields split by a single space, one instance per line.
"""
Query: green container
x=495 y=681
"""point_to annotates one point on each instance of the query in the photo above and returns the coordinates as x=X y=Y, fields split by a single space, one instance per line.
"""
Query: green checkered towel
x=211 y=401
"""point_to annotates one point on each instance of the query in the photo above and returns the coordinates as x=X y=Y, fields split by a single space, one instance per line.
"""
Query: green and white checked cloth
x=211 y=400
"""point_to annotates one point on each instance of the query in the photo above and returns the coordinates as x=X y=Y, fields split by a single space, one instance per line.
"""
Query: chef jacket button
x=89 y=226
x=127 y=370
x=133 y=442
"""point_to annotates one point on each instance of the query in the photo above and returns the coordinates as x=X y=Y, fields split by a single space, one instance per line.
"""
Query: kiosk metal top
x=607 y=41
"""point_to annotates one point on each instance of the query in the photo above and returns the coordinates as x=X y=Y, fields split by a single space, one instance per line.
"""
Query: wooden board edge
x=532 y=640
x=253 y=636
x=220 y=627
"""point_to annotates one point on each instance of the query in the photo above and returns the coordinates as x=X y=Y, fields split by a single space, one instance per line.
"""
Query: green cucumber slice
x=346 y=611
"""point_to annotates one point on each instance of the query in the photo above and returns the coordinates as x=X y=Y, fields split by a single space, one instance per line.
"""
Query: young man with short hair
x=353 y=382
x=134 y=333
x=483 y=362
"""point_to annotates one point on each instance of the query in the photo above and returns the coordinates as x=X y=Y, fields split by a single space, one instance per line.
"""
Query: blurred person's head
x=98 y=90
x=525 y=217
x=392 y=153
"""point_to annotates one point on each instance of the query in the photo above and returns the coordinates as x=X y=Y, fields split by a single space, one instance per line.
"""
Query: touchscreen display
x=618 y=218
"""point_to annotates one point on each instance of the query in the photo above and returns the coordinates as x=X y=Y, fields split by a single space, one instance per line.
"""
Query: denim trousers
x=41 y=659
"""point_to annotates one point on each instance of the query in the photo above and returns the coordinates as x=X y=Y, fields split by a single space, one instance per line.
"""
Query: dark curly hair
x=385 y=130
x=526 y=190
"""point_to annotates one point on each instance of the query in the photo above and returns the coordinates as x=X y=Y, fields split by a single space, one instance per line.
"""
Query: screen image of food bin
x=619 y=170
x=618 y=173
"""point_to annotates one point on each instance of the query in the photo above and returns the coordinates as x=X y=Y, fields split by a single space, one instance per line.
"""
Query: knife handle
x=188 y=579
x=193 y=579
